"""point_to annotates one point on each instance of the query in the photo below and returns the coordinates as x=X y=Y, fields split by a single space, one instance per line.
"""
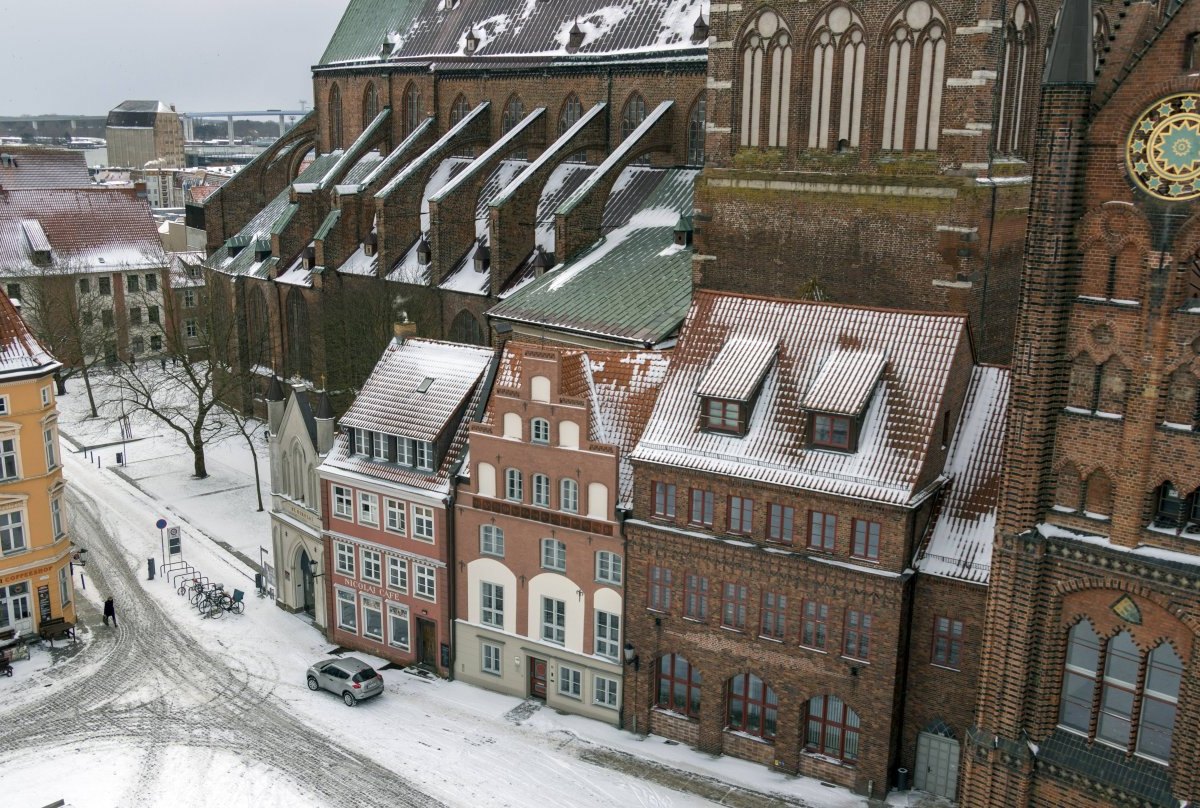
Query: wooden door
x=537 y=678
x=427 y=643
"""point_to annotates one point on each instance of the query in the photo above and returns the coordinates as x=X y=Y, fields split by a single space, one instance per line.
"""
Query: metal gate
x=937 y=765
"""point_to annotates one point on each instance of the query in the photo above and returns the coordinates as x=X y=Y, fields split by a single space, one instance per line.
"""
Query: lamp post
x=631 y=659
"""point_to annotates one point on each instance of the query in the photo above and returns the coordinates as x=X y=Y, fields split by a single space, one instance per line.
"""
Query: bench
x=56 y=629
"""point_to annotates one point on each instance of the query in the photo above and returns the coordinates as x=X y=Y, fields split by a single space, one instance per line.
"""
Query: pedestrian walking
x=110 y=611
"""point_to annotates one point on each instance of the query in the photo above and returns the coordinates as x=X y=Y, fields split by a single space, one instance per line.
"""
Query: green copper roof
x=634 y=285
x=365 y=25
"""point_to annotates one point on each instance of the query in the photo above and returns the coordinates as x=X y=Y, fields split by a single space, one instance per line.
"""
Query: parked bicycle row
x=211 y=599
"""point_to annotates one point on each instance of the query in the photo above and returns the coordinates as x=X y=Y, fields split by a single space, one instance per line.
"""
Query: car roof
x=351 y=664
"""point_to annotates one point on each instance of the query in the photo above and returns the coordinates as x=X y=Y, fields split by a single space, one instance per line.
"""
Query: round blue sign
x=160 y=524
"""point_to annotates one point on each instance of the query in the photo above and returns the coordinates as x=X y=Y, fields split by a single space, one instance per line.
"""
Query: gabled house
x=787 y=479
x=387 y=491
x=538 y=537
x=299 y=441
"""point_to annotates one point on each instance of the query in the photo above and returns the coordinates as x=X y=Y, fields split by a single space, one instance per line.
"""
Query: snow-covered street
x=170 y=707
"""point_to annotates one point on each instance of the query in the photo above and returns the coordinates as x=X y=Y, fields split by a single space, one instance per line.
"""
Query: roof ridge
x=958 y=315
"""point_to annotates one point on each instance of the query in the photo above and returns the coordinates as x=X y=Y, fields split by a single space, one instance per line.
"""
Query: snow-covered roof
x=845 y=381
x=85 y=230
x=421 y=389
x=42 y=167
x=382 y=31
x=964 y=526
x=739 y=368
x=619 y=386
x=21 y=354
x=895 y=432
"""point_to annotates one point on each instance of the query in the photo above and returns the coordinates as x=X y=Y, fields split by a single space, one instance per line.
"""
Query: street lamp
x=631 y=657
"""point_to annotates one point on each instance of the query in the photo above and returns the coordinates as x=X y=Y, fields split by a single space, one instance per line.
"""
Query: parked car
x=351 y=678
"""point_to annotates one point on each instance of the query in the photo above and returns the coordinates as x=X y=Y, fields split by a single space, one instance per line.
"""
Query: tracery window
x=1102 y=697
x=298 y=332
x=766 y=65
x=572 y=111
x=335 y=118
x=370 y=106
x=632 y=115
x=413 y=111
x=916 y=62
x=1015 y=79
x=839 y=53
x=695 y=144
x=514 y=112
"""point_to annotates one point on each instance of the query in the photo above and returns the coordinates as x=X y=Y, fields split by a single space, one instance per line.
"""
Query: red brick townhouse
x=538 y=541
x=790 y=474
x=387 y=488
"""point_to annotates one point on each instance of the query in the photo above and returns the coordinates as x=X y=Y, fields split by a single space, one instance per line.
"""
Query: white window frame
x=608 y=635
x=424 y=455
x=189 y=301
x=56 y=520
x=362 y=443
x=371 y=603
x=3 y=405
x=378 y=446
x=570 y=682
x=491 y=604
x=64 y=585
x=372 y=566
x=606 y=691
x=541 y=490
x=46 y=396
x=610 y=567
x=514 y=486
x=536 y=426
x=554 y=555
x=51 y=444
x=396 y=516
x=426 y=581
x=491 y=540
x=398 y=574
x=189 y=329
x=345 y=598
x=343 y=554
x=491 y=659
x=12 y=532
x=554 y=629
x=10 y=459
x=422 y=523
x=398 y=611
x=568 y=495
x=343 y=502
x=368 y=509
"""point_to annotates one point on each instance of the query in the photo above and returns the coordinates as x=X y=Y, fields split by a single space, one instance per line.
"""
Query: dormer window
x=730 y=386
x=722 y=415
x=831 y=431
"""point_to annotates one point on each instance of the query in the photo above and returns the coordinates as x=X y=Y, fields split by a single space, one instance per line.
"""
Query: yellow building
x=35 y=581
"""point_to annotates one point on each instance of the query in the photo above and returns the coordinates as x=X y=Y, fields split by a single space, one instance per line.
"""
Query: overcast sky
x=86 y=56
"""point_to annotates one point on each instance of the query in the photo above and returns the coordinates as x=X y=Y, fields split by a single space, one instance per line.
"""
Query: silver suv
x=351 y=678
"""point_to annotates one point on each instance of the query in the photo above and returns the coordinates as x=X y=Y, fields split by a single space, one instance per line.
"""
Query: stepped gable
x=897 y=426
x=376 y=31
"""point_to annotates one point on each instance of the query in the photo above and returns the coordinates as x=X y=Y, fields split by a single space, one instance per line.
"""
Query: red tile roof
x=20 y=352
x=94 y=229
x=898 y=424
x=41 y=167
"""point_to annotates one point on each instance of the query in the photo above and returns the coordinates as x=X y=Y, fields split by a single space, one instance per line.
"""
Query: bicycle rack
x=196 y=576
x=177 y=574
x=174 y=565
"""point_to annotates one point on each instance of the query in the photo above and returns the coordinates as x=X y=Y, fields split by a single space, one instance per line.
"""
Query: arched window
x=413 y=110
x=465 y=328
x=1067 y=495
x=632 y=115
x=298 y=476
x=752 y=706
x=285 y=483
x=1016 y=79
x=678 y=685
x=541 y=490
x=1114 y=382
x=572 y=111
x=568 y=496
x=298 y=334
x=539 y=430
x=513 y=485
x=1098 y=494
x=514 y=112
x=258 y=347
x=370 y=104
x=1121 y=719
x=1081 y=393
x=459 y=109
x=1181 y=398
x=832 y=728
x=916 y=62
x=766 y=65
x=1174 y=510
x=335 y=118
x=839 y=54
x=695 y=144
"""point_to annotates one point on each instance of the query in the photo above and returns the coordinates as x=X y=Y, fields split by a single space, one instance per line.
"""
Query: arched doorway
x=307 y=584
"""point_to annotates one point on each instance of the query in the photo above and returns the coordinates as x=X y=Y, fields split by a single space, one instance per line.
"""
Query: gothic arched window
x=1081 y=393
x=695 y=143
x=632 y=115
x=572 y=111
x=335 y=118
x=1016 y=79
x=370 y=105
x=297 y=326
x=839 y=54
x=458 y=111
x=258 y=346
x=916 y=65
x=1098 y=494
x=413 y=112
x=514 y=112
x=766 y=66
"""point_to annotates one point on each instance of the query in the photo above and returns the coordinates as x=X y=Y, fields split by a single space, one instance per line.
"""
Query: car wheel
x=312 y=684
x=348 y=697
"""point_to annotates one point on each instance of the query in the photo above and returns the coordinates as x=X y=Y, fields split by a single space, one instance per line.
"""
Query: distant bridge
x=188 y=119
